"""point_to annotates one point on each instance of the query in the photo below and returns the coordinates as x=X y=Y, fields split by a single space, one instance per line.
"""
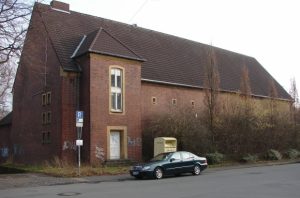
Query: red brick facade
x=164 y=94
x=101 y=118
x=38 y=73
x=39 y=132
x=5 y=144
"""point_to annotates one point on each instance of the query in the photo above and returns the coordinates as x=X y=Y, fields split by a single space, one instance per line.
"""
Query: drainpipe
x=79 y=129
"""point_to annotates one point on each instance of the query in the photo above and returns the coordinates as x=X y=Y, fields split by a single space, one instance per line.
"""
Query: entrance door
x=115 y=145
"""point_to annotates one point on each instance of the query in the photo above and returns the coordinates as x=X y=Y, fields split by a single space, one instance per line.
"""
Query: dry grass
x=59 y=168
x=85 y=170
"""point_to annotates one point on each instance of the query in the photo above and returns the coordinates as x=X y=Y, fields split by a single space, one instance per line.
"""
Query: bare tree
x=294 y=93
x=211 y=86
x=14 y=18
x=6 y=80
x=272 y=118
x=294 y=108
x=273 y=94
x=245 y=87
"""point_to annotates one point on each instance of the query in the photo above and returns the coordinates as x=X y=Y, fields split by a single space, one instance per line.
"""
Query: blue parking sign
x=79 y=116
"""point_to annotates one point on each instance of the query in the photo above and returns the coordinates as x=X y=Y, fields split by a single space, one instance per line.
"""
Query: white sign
x=79 y=142
x=79 y=124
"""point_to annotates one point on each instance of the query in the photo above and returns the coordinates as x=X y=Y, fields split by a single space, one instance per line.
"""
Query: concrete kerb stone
x=31 y=180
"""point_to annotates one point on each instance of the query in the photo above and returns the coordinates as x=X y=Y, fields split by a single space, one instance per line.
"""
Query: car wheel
x=197 y=170
x=158 y=173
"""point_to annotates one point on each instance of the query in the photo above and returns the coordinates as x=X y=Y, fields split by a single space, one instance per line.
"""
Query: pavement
x=22 y=180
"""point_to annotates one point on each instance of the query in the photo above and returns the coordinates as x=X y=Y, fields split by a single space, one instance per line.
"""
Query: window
x=46 y=139
x=44 y=99
x=44 y=120
x=48 y=100
x=46 y=117
x=43 y=137
x=187 y=156
x=154 y=100
x=174 y=102
x=116 y=90
x=176 y=156
x=49 y=117
x=193 y=103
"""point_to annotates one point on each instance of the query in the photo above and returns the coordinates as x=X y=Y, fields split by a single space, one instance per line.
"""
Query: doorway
x=115 y=145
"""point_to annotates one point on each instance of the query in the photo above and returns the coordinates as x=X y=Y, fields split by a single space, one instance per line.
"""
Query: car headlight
x=146 y=168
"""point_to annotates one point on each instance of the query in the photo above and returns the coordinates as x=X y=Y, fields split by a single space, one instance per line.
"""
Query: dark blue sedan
x=170 y=163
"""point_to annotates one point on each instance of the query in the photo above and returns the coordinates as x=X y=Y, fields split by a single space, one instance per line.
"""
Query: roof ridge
x=115 y=38
x=150 y=30
x=163 y=33
x=78 y=46
x=95 y=38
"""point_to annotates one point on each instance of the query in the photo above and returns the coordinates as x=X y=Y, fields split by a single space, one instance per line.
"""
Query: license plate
x=135 y=173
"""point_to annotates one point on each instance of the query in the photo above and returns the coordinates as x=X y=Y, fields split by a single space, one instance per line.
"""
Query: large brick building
x=118 y=74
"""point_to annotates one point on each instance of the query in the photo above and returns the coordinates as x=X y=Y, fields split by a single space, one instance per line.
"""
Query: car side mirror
x=172 y=159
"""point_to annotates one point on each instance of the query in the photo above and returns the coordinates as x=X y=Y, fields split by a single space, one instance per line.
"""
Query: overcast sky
x=268 y=30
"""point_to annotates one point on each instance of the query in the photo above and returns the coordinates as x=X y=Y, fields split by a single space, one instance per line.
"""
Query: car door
x=174 y=164
x=187 y=162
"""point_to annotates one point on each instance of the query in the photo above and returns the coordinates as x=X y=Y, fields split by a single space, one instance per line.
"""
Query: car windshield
x=160 y=157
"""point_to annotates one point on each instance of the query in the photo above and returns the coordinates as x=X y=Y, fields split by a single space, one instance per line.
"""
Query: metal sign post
x=79 y=141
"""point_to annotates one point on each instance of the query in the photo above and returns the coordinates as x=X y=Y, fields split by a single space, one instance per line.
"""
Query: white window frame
x=116 y=104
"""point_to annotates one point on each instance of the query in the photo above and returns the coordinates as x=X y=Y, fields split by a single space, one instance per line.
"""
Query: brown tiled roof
x=102 y=42
x=168 y=58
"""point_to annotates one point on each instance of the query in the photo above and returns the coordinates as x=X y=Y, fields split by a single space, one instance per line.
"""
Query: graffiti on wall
x=4 y=152
x=69 y=145
x=134 y=141
x=99 y=153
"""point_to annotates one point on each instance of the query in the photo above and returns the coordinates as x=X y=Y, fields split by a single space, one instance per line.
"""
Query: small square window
x=154 y=100
x=193 y=103
x=174 y=101
x=44 y=99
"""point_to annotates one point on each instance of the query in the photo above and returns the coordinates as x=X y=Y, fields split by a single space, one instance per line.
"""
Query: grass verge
x=63 y=171
x=66 y=170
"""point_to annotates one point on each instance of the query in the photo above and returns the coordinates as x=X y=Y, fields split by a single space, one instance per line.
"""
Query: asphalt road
x=262 y=182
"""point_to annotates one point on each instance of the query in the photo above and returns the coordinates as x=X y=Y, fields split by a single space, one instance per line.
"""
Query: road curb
x=127 y=177
x=37 y=179
x=259 y=164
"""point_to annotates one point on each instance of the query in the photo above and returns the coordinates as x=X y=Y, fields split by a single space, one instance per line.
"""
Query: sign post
x=79 y=141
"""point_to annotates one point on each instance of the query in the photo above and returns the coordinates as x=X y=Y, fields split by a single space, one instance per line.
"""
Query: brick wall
x=5 y=144
x=29 y=86
x=68 y=122
x=85 y=105
x=164 y=95
x=100 y=116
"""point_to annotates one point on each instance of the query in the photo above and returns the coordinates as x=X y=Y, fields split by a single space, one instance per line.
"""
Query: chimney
x=60 y=6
